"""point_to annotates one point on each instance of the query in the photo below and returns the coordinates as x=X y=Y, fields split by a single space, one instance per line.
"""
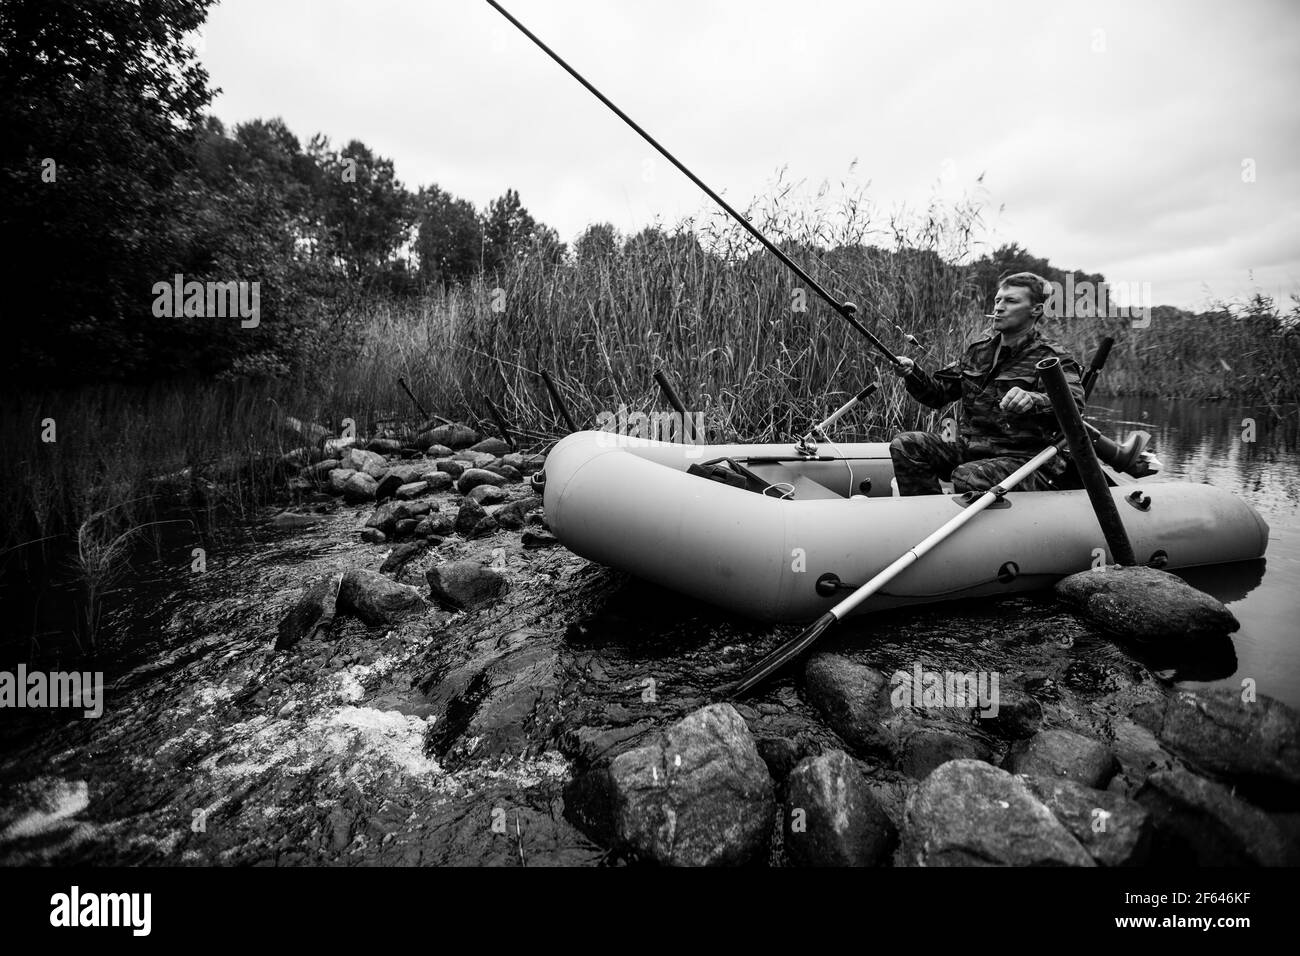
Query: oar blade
x=778 y=658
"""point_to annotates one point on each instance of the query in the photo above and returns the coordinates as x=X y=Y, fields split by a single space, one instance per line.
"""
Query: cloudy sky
x=1114 y=137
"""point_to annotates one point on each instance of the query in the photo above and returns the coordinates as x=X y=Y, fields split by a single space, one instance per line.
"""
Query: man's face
x=1012 y=311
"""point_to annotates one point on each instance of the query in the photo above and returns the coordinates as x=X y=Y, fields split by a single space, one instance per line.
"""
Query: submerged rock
x=313 y=614
x=831 y=816
x=854 y=699
x=700 y=795
x=970 y=813
x=377 y=599
x=1063 y=753
x=1254 y=743
x=1144 y=604
x=465 y=584
x=1203 y=823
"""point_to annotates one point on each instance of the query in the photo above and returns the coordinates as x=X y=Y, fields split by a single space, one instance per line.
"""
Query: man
x=1006 y=417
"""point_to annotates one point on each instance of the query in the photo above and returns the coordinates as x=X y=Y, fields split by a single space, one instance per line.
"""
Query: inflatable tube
x=630 y=504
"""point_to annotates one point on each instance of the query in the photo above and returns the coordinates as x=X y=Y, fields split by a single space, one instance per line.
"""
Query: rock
x=928 y=746
x=780 y=754
x=1138 y=753
x=473 y=477
x=511 y=515
x=435 y=526
x=338 y=479
x=465 y=584
x=1063 y=753
x=297 y=486
x=377 y=599
x=855 y=702
x=365 y=461
x=472 y=521
x=384 y=518
x=1201 y=823
x=288 y=521
x=1254 y=744
x=384 y=446
x=425 y=443
x=505 y=471
x=295 y=458
x=373 y=536
x=533 y=540
x=970 y=813
x=313 y=614
x=831 y=816
x=1115 y=830
x=405 y=527
x=592 y=744
x=359 y=487
x=453 y=436
x=387 y=487
x=495 y=447
x=400 y=555
x=321 y=470
x=527 y=464
x=1144 y=604
x=437 y=481
x=412 y=509
x=1019 y=714
x=698 y=796
x=486 y=494
x=338 y=447
x=451 y=467
x=474 y=459
x=407 y=473
x=413 y=490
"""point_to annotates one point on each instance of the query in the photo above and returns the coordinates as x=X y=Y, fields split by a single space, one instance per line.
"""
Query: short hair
x=1039 y=288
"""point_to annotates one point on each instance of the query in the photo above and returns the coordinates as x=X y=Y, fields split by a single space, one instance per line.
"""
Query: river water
x=1214 y=443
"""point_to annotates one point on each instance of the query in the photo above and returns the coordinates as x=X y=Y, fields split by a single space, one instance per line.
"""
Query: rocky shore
x=410 y=672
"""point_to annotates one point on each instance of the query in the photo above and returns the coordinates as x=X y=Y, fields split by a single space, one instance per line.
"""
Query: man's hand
x=1018 y=401
x=904 y=366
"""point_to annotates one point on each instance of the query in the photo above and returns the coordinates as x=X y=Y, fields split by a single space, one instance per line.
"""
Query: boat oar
x=788 y=651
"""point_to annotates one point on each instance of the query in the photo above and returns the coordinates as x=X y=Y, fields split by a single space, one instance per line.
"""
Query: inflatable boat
x=779 y=535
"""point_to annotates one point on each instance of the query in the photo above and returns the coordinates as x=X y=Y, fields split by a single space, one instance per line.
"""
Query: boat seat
x=805 y=489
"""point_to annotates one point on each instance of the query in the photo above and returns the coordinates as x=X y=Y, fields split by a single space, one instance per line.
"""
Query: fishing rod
x=845 y=309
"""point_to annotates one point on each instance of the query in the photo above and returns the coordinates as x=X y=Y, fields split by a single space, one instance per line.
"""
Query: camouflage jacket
x=982 y=378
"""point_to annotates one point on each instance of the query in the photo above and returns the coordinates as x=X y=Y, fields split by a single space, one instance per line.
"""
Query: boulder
x=384 y=518
x=970 y=813
x=437 y=481
x=1115 y=830
x=1063 y=753
x=1253 y=743
x=1202 y=823
x=453 y=436
x=925 y=747
x=365 y=461
x=359 y=487
x=312 y=614
x=451 y=466
x=507 y=472
x=338 y=479
x=400 y=555
x=831 y=816
x=438 y=526
x=472 y=521
x=854 y=700
x=377 y=599
x=465 y=584
x=486 y=494
x=411 y=491
x=699 y=795
x=493 y=446
x=1144 y=604
x=474 y=459
x=471 y=478
x=407 y=473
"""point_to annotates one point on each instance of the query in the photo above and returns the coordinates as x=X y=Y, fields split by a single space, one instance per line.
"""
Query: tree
x=450 y=238
x=507 y=230
x=99 y=104
x=598 y=243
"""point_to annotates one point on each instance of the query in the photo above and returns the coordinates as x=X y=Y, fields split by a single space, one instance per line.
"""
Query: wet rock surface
x=1146 y=605
x=254 y=715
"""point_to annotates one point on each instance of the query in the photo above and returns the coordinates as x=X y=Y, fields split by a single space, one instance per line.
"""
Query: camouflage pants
x=922 y=458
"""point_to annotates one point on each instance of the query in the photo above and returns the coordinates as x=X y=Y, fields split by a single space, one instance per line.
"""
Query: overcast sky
x=1113 y=134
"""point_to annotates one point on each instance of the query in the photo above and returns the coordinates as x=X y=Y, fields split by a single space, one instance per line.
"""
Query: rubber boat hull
x=630 y=504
